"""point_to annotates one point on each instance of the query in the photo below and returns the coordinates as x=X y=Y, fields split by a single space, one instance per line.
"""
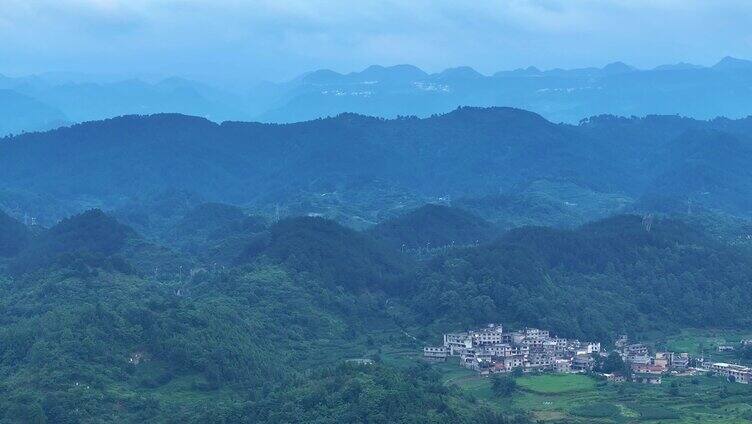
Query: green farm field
x=581 y=399
x=705 y=342
x=555 y=383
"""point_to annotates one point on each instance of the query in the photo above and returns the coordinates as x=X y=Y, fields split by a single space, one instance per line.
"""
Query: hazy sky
x=234 y=40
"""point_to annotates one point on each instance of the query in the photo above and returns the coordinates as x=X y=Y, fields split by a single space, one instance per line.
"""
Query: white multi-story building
x=738 y=373
x=563 y=366
x=679 y=361
x=592 y=347
x=535 y=333
x=439 y=353
x=512 y=362
x=538 y=361
x=457 y=342
x=489 y=335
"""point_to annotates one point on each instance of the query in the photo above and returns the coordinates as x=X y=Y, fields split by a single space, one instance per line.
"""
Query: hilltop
x=304 y=294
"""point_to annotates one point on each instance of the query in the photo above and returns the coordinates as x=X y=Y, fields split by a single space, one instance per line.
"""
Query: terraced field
x=580 y=399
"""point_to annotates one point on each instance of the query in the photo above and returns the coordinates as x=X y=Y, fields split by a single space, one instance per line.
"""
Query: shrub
x=503 y=385
x=597 y=410
x=650 y=412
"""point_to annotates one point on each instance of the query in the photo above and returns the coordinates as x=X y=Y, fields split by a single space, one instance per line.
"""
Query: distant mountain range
x=511 y=167
x=725 y=89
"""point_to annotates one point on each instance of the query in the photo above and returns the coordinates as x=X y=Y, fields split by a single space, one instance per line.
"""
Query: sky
x=234 y=41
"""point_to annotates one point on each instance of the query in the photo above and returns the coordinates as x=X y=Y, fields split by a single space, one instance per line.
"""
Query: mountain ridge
x=470 y=152
x=562 y=95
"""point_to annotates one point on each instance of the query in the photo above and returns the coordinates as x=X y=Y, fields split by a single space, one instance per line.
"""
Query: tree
x=613 y=363
x=674 y=389
x=745 y=352
x=503 y=385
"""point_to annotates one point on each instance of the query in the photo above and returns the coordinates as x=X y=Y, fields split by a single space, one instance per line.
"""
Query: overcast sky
x=234 y=40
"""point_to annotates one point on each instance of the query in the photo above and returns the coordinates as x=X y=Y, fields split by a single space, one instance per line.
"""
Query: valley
x=375 y=212
x=219 y=314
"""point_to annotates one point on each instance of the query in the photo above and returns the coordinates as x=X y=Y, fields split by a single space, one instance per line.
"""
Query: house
x=648 y=369
x=736 y=373
x=582 y=363
x=533 y=343
x=467 y=359
x=488 y=336
x=592 y=347
x=662 y=359
x=646 y=378
x=498 y=367
x=640 y=360
x=501 y=349
x=621 y=342
x=438 y=354
x=538 y=362
x=535 y=333
x=725 y=348
x=360 y=361
x=514 y=361
x=680 y=361
x=615 y=378
x=635 y=350
x=562 y=366
x=456 y=342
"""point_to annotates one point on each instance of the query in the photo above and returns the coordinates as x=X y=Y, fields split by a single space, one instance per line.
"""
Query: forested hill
x=359 y=168
x=264 y=337
x=91 y=240
x=336 y=255
x=13 y=236
x=221 y=162
x=622 y=274
x=434 y=226
x=84 y=339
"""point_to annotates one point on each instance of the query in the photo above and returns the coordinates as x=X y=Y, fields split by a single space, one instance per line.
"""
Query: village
x=490 y=350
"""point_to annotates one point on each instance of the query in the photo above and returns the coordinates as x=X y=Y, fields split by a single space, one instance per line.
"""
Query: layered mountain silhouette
x=403 y=90
x=559 y=95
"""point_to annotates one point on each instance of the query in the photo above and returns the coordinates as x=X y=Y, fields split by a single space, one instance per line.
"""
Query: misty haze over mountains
x=44 y=102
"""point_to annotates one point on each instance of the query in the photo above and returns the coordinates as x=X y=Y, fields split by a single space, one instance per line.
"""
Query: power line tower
x=647 y=222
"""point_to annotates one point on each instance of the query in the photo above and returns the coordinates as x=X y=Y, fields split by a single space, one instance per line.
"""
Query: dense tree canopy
x=434 y=226
x=89 y=333
x=605 y=278
x=605 y=163
x=13 y=236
